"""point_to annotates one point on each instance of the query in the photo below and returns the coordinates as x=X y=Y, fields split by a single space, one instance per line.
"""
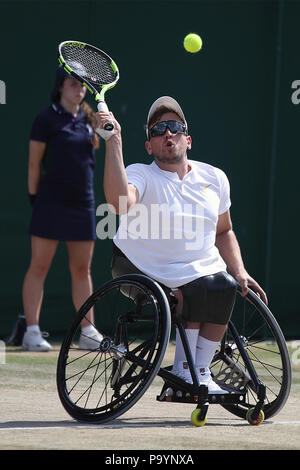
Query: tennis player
x=202 y=270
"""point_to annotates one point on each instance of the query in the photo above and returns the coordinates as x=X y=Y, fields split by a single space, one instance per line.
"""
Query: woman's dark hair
x=91 y=118
x=60 y=77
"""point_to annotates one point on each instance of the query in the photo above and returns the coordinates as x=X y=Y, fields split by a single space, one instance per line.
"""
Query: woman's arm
x=36 y=153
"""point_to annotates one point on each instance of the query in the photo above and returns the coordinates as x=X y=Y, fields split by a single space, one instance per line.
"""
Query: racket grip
x=108 y=129
x=102 y=106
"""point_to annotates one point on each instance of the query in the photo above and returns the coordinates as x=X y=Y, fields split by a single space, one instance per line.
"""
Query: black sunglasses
x=160 y=128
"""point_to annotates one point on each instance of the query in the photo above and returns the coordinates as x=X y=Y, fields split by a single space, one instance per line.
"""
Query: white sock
x=205 y=352
x=192 y=336
x=33 y=328
x=87 y=330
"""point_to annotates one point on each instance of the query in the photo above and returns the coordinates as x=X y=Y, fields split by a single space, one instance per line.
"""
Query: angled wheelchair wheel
x=132 y=314
x=253 y=328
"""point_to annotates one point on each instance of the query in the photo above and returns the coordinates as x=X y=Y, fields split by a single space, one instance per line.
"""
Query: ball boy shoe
x=34 y=341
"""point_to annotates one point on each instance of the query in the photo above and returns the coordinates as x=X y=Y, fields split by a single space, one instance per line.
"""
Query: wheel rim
x=266 y=348
x=100 y=384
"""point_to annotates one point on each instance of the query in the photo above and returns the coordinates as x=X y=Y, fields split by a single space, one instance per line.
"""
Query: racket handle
x=108 y=129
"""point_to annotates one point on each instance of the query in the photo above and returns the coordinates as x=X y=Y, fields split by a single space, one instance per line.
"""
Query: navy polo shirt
x=69 y=161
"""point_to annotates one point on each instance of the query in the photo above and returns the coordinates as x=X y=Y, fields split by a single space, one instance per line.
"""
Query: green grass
x=24 y=370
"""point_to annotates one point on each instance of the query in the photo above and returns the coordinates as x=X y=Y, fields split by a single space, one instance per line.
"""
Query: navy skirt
x=63 y=221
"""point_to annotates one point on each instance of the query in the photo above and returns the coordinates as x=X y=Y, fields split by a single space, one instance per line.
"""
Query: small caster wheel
x=198 y=418
x=258 y=420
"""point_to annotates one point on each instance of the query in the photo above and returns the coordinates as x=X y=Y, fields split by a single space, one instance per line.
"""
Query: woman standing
x=60 y=184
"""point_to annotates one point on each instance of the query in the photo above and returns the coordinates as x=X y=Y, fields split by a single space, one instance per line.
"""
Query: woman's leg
x=42 y=253
x=80 y=260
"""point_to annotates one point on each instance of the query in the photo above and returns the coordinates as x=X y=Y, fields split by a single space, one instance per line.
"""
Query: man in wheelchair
x=176 y=228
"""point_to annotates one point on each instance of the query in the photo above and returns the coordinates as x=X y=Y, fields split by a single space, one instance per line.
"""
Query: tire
x=98 y=385
x=265 y=345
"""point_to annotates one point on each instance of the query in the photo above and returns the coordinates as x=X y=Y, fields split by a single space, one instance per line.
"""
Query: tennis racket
x=94 y=69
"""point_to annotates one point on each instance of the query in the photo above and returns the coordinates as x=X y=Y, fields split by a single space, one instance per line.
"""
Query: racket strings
x=89 y=64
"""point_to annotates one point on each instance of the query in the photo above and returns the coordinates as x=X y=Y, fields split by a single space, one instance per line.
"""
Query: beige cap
x=168 y=102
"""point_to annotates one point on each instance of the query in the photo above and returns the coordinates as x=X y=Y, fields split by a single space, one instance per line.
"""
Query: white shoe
x=34 y=341
x=203 y=375
x=205 y=378
x=182 y=371
x=90 y=341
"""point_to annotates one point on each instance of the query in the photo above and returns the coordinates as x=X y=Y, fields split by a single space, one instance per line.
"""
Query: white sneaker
x=90 y=341
x=205 y=378
x=34 y=341
x=182 y=371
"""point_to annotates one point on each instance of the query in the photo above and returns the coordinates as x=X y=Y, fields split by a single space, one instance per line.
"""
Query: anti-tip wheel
x=197 y=418
x=258 y=420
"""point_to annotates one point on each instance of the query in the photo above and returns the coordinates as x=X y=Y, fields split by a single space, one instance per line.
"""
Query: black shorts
x=208 y=299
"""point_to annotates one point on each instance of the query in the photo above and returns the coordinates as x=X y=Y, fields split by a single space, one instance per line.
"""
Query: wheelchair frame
x=125 y=368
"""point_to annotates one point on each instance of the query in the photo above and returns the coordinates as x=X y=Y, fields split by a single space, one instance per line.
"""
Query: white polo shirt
x=170 y=234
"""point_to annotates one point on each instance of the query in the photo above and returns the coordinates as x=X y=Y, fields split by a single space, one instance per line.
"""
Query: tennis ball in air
x=192 y=43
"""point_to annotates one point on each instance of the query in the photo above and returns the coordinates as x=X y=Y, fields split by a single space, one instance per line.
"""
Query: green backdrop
x=236 y=94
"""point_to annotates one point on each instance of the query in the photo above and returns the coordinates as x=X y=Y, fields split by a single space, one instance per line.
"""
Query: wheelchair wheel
x=132 y=313
x=262 y=339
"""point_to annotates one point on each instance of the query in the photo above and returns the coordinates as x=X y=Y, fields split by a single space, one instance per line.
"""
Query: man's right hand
x=102 y=117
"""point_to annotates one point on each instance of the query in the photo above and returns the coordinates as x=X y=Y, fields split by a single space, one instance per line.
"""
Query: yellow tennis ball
x=192 y=43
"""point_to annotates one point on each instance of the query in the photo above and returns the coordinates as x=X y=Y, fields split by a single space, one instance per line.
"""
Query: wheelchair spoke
x=265 y=348
x=99 y=384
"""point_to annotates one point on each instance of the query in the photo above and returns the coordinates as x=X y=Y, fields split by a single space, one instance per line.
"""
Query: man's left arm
x=229 y=249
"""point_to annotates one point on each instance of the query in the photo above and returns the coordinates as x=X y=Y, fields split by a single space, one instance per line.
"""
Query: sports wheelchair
x=134 y=316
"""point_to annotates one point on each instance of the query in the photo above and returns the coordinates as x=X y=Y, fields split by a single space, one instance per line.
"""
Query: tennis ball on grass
x=192 y=43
